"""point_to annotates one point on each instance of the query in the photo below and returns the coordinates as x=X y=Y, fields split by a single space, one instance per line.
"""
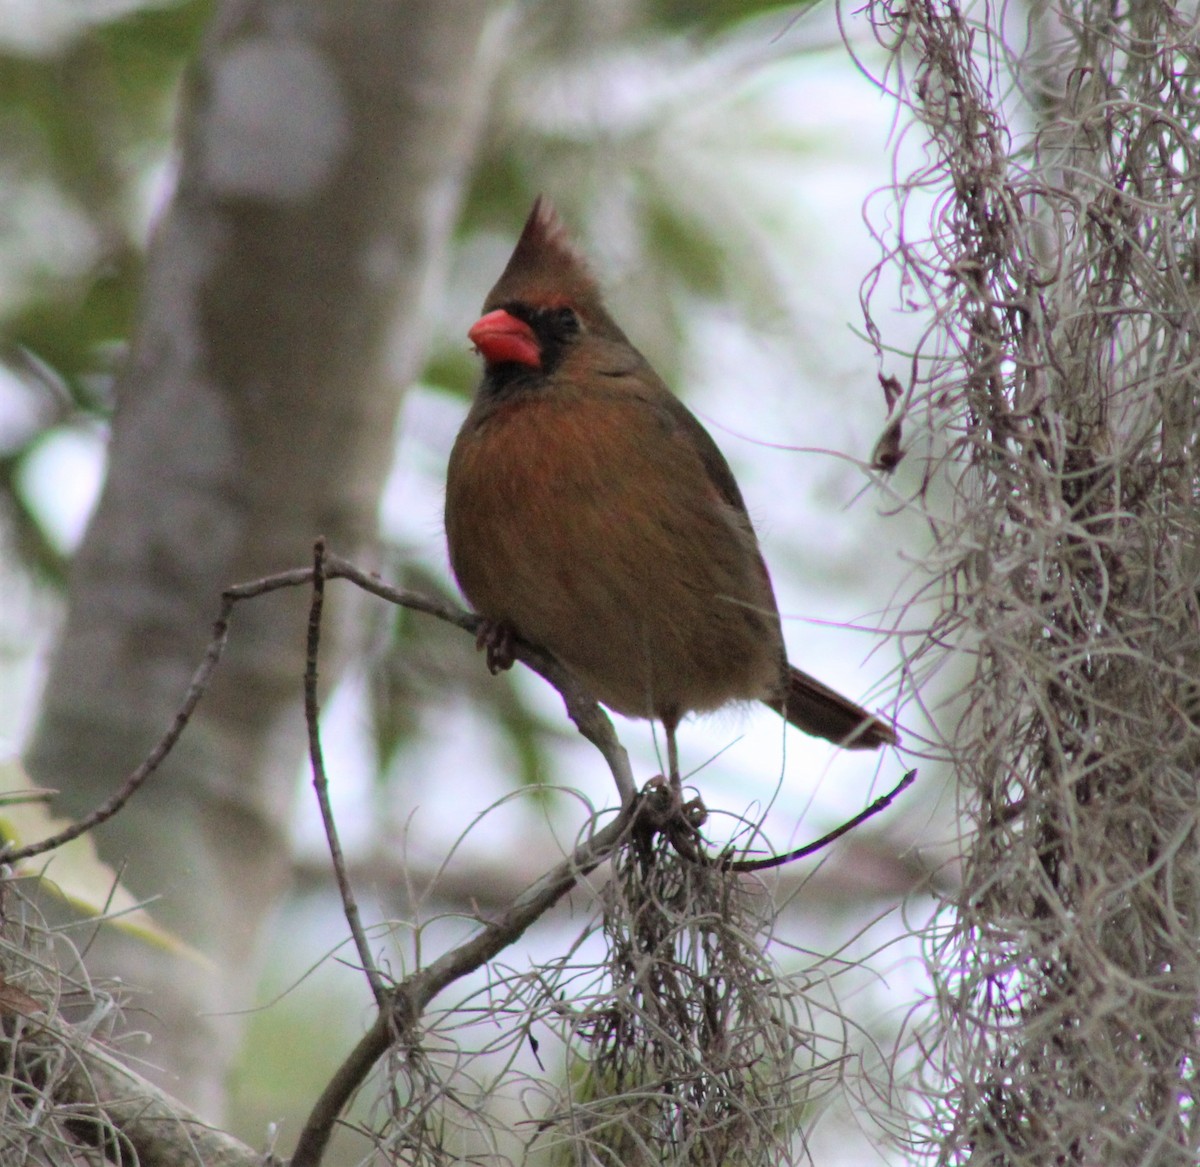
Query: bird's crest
x=544 y=269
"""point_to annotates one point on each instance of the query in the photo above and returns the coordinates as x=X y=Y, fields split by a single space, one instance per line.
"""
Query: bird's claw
x=497 y=638
x=663 y=806
x=695 y=812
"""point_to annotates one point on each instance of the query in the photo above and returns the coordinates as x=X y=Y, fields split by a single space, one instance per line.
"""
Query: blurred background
x=714 y=160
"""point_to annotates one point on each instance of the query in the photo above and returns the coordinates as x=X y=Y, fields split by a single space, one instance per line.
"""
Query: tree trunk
x=323 y=151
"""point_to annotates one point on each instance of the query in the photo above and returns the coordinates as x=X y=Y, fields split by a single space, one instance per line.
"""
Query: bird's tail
x=818 y=710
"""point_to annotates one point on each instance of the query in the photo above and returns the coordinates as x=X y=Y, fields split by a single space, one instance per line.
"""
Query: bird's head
x=545 y=303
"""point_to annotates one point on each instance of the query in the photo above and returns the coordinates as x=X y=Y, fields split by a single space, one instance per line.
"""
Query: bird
x=589 y=513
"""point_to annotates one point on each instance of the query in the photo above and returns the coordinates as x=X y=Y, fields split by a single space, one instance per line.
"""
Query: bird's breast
x=590 y=525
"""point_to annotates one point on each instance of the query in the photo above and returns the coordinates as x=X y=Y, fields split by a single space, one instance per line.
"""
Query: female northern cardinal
x=590 y=513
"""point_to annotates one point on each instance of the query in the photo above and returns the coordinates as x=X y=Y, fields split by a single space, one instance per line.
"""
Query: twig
x=196 y=690
x=880 y=804
x=409 y=998
x=591 y=721
x=583 y=710
x=401 y=1007
x=312 y=715
x=154 y=759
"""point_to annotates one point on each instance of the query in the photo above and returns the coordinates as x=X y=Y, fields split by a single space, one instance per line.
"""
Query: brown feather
x=581 y=560
x=822 y=712
x=589 y=510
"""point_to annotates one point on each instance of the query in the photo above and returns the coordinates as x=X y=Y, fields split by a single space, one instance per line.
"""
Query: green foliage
x=83 y=130
x=691 y=254
x=453 y=368
x=76 y=332
x=712 y=14
x=501 y=192
x=148 y=48
x=73 y=872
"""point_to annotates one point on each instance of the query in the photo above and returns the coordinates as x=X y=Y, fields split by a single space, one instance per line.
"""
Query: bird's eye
x=563 y=321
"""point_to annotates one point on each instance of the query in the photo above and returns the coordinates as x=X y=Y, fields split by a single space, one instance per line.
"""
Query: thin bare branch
x=592 y=722
x=400 y=1008
x=410 y=997
x=312 y=718
x=131 y=785
x=880 y=804
x=582 y=708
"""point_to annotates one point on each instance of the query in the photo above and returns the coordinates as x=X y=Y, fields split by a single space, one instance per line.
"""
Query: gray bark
x=323 y=150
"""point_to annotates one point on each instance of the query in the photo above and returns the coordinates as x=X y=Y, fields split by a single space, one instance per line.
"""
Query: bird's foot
x=497 y=638
x=663 y=811
x=660 y=803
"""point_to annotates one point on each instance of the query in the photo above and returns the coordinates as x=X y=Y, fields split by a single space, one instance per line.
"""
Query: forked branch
x=400 y=1006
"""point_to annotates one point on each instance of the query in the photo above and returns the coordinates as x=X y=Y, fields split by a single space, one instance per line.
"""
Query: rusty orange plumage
x=588 y=511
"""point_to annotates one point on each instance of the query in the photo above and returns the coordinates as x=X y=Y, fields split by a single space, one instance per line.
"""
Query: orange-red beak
x=503 y=339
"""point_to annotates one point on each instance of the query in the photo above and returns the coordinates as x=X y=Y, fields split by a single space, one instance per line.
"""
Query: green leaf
x=77 y=335
x=688 y=249
x=715 y=15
